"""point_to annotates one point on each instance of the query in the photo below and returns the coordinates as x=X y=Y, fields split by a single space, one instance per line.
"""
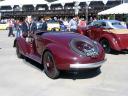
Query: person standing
x=18 y=28
x=73 y=23
x=28 y=26
x=11 y=24
x=44 y=25
x=82 y=23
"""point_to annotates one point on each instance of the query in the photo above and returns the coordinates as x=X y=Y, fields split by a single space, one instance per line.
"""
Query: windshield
x=116 y=23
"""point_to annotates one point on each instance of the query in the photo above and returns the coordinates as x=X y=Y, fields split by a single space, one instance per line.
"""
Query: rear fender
x=112 y=41
x=60 y=54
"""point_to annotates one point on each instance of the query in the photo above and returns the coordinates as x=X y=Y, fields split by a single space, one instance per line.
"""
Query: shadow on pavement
x=83 y=74
x=33 y=63
x=119 y=52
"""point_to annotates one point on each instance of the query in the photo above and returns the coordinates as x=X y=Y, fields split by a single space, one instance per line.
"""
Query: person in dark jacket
x=44 y=25
x=28 y=26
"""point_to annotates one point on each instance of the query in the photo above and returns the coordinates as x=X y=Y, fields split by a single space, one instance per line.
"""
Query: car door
x=39 y=44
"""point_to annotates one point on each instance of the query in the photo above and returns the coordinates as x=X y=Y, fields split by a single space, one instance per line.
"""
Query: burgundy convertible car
x=110 y=33
x=61 y=51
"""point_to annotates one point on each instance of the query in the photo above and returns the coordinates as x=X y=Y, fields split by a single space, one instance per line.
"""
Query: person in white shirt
x=73 y=23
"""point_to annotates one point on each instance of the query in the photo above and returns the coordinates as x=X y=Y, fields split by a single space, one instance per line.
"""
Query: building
x=67 y=9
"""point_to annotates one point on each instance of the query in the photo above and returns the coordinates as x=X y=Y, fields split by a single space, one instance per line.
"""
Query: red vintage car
x=111 y=34
x=60 y=51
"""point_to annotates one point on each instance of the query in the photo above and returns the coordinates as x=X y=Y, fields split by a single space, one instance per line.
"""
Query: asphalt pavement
x=19 y=77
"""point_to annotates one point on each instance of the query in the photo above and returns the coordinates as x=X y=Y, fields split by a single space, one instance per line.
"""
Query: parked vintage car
x=53 y=25
x=3 y=26
x=111 y=34
x=60 y=51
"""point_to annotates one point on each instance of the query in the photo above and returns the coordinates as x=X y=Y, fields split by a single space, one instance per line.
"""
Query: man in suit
x=28 y=26
x=44 y=25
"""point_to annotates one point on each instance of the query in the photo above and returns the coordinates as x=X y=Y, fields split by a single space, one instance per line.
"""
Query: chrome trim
x=88 y=65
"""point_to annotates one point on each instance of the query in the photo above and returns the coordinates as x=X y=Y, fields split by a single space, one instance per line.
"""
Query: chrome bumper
x=89 y=65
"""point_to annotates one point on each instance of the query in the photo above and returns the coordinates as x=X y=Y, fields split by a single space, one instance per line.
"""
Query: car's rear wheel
x=19 y=55
x=105 y=44
x=50 y=66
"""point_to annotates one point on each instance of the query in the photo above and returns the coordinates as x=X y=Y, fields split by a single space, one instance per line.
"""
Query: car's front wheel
x=50 y=66
x=105 y=44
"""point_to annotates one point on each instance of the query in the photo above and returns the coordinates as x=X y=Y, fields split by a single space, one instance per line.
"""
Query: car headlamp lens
x=84 y=47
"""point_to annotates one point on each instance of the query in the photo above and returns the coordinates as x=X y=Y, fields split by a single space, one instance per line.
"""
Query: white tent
x=120 y=9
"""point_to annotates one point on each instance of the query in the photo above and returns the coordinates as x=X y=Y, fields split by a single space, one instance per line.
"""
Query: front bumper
x=87 y=66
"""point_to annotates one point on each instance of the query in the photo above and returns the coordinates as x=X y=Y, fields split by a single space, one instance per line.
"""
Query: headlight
x=84 y=47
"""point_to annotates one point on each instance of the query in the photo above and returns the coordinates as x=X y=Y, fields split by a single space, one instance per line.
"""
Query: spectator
x=73 y=23
x=82 y=23
x=62 y=27
x=66 y=24
x=18 y=28
x=28 y=26
x=44 y=25
x=11 y=25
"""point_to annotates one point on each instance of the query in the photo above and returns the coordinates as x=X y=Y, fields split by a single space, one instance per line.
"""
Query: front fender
x=112 y=41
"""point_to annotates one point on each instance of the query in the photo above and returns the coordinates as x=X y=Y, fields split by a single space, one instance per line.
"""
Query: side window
x=94 y=23
x=97 y=24
x=103 y=24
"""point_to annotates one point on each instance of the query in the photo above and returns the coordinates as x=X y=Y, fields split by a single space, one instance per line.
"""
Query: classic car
x=61 y=51
x=53 y=25
x=111 y=34
x=3 y=26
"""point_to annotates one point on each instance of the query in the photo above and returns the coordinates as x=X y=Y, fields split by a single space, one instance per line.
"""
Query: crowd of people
x=16 y=27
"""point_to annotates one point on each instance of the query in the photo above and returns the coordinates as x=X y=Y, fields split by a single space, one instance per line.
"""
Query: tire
x=19 y=55
x=50 y=66
x=105 y=44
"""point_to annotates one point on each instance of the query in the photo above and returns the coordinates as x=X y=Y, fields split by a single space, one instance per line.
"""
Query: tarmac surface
x=19 y=77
